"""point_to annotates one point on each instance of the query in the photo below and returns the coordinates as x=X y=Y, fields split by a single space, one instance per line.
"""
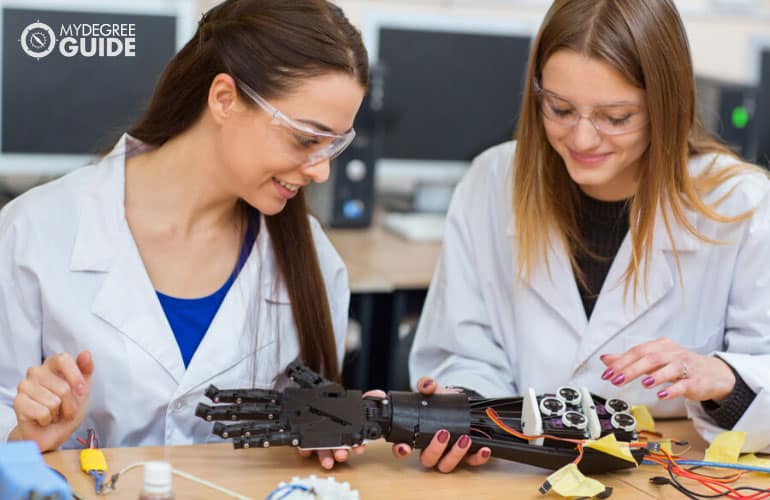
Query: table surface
x=376 y=474
x=379 y=261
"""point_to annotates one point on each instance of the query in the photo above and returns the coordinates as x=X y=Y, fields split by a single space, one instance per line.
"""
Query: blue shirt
x=191 y=318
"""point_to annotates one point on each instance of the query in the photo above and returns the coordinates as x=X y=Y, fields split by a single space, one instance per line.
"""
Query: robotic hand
x=545 y=431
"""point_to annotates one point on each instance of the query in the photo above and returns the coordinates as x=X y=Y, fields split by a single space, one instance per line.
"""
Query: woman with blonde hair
x=614 y=245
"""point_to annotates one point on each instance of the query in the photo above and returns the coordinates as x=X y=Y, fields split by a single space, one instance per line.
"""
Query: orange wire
x=717 y=485
x=492 y=414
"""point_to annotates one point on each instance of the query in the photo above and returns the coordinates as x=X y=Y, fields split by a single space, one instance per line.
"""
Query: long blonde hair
x=645 y=41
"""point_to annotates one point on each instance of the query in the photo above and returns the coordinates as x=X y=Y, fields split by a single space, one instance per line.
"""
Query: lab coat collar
x=128 y=301
x=556 y=284
x=101 y=212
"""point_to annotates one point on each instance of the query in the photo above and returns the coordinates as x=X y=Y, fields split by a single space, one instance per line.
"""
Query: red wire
x=717 y=485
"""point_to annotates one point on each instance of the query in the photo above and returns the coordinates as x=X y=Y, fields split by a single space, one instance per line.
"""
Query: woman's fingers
x=29 y=410
x=326 y=459
x=42 y=396
x=427 y=386
x=341 y=455
x=431 y=455
x=401 y=450
x=455 y=455
x=60 y=387
x=479 y=458
x=65 y=366
x=661 y=362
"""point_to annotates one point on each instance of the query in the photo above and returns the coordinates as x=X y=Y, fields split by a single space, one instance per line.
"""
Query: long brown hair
x=271 y=45
x=645 y=41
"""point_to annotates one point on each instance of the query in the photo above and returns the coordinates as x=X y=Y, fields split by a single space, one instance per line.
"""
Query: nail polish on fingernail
x=402 y=451
x=619 y=379
x=427 y=384
x=648 y=381
x=602 y=357
x=464 y=441
x=485 y=453
x=663 y=394
x=607 y=374
x=443 y=436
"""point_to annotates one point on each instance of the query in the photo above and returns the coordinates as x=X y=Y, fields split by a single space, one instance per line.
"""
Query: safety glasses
x=608 y=119
x=320 y=145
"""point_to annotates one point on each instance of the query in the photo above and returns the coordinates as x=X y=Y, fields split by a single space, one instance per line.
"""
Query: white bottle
x=157 y=482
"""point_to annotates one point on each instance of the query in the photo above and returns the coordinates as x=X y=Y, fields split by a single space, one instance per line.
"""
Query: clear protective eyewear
x=607 y=119
x=321 y=145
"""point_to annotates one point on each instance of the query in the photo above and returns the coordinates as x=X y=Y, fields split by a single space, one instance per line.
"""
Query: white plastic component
x=322 y=489
x=569 y=395
x=531 y=421
x=157 y=479
x=589 y=410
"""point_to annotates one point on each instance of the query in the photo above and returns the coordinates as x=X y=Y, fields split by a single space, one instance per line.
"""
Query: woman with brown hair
x=613 y=245
x=186 y=256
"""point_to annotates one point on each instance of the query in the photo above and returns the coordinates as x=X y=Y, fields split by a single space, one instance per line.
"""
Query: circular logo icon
x=38 y=40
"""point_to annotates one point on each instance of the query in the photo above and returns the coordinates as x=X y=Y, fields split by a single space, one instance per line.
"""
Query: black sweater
x=603 y=226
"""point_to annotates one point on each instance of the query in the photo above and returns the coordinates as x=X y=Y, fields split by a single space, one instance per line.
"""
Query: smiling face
x=605 y=165
x=266 y=160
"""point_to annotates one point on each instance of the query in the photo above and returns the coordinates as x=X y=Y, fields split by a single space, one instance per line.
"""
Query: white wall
x=723 y=33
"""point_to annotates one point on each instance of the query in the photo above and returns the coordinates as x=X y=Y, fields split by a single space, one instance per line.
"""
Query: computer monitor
x=452 y=88
x=763 y=110
x=77 y=73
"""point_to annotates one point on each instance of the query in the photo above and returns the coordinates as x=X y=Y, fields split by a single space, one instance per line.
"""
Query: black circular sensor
x=551 y=406
x=623 y=421
x=574 y=420
x=569 y=395
x=616 y=405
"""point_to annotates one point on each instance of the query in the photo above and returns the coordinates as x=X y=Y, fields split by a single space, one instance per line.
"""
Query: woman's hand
x=327 y=458
x=691 y=375
x=436 y=454
x=52 y=401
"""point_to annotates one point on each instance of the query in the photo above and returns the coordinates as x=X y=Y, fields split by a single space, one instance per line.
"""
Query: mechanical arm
x=541 y=430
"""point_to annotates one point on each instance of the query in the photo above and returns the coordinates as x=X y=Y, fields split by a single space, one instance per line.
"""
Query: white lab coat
x=482 y=331
x=71 y=279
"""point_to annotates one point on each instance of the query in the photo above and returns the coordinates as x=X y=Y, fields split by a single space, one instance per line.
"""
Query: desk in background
x=389 y=277
x=376 y=474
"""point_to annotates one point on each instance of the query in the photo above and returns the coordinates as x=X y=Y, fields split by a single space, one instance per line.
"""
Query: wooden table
x=376 y=474
x=389 y=276
x=381 y=261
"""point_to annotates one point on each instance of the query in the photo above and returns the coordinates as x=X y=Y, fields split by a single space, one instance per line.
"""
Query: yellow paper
x=665 y=444
x=611 y=446
x=644 y=420
x=752 y=459
x=570 y=482
x=726 y=447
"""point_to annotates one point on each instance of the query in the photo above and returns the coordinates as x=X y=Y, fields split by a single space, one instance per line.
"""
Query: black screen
x=449 y=96
x=79 y=104
x=763 y=111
